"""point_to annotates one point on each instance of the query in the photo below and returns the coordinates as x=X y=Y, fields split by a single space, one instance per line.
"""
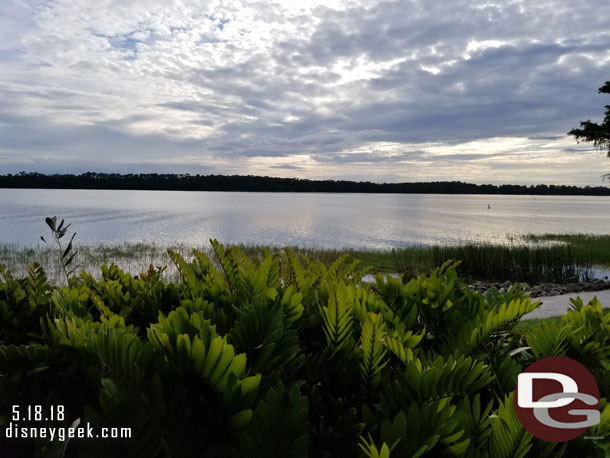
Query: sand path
x=557 y=305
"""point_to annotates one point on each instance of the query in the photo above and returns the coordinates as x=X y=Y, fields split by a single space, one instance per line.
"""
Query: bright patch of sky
x=378 y=90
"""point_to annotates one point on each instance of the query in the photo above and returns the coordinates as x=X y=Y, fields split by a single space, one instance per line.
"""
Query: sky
x=384 y=91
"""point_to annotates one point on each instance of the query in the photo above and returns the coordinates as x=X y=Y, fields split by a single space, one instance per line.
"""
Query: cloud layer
x=386 y=91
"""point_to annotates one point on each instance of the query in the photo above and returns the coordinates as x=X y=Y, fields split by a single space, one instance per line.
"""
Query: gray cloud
x=345 y=85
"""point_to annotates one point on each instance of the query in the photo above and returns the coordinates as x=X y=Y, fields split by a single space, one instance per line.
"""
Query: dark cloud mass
x=389 y=90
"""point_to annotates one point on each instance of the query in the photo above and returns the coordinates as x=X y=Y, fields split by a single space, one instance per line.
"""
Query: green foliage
x=549 y=339
x=371 y=451
x=191 y=342
x=263 y=332
x=283 y=355
x=280 y=425
x=23 y=302
x=337 y=318
x=419 y=428
x=476 y=421
x=373 y=350
x=508 y=439
x=440 y=379
x=583 y=333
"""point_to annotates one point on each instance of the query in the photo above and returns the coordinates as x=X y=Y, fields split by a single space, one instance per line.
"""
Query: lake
x=374 y=221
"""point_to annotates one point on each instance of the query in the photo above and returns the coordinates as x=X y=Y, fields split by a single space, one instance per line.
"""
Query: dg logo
x=557 y=399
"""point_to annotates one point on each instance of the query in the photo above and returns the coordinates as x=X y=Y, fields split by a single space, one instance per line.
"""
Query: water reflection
x=322 y=220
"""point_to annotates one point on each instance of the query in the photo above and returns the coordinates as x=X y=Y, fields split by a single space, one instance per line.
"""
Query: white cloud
x=264 y=87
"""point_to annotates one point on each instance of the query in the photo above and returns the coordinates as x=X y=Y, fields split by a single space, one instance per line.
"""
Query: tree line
x=251 y=183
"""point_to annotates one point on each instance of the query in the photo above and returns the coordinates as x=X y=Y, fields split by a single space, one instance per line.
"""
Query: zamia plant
x=281 y=355
x=264 y=333
x=192 y=342
x=583 y=333
x=280 y=425
x=337 y=317
x=476 y=419
x=508 y=438
x=373 y=350
x=23 y=303
x=417 y=429
x=548 y=339
x=403 y=344
x=371 y=451
x=492 y=322
x=441 y=379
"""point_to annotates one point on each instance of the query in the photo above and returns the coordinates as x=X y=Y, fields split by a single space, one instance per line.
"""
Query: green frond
x=398 y=299
x=262 y=332
x=24 y=359
x=588 y=333
x=336 y=428
x=115 y=351
x=186 y=272
x=265 y=280
x=293 y=272
x=509 y=439
x=279 y=427
x=192 y=343
x=422 y=428
x=443 y=378
x=37 y=287
x=232 y=261
x=370 y=449
x=493 y=321
x=292 y=301
x=548 y=339
x=373 y=350
x=337 y=317
x=477 y=425
x=506 y=371
x=401 y=342
x=402 y=352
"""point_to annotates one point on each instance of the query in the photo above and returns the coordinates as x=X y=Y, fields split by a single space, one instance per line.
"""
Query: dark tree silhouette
x=250 y=183
x=598 y=134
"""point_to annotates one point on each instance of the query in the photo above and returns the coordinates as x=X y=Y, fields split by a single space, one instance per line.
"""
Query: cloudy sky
x=480 y=91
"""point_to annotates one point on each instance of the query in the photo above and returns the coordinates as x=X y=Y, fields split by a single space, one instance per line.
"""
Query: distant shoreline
x=250 y=183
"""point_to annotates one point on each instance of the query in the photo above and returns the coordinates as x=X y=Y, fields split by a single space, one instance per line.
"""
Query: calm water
x=322 y=220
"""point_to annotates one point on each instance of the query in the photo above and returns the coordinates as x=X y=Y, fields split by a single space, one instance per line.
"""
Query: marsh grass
x=531 y=259
x=533 y=264
x=131 y=257
x=596 y=248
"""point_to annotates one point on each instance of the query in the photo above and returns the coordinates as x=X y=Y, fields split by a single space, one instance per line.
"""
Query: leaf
x=337 y=317
x=373 y=350
x=509 y=439
x=69 y=247
x=51 y=222
x=280 y=425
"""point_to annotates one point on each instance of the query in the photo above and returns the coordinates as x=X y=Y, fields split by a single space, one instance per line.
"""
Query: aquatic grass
x=533 y=264
x=531 y=259
x=587 y=246
x=129 y=256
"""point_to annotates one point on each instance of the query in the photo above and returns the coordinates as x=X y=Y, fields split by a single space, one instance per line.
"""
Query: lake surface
x=319 y=219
